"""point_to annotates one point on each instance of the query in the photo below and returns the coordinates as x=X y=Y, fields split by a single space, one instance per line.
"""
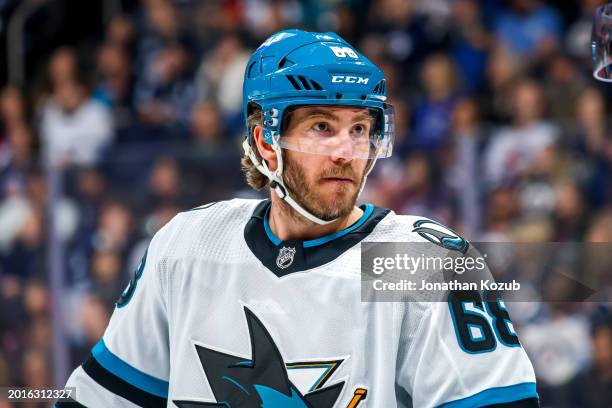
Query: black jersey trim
x=524 y=403
x=118 y=386
x=68 y=403
x=202 y=207
x=303 y=257
x=522 y=395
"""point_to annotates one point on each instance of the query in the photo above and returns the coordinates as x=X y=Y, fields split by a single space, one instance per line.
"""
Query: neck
x=288 y=224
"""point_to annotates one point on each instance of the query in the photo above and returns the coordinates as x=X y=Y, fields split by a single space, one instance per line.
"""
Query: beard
x=304 y=192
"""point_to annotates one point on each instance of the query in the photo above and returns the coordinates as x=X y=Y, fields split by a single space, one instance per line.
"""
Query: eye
x=321 y=127
x=360 y=129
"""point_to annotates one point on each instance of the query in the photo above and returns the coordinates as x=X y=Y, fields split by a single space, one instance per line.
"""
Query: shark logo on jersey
x=261 y=382
x=441 y=235
x=285 y=257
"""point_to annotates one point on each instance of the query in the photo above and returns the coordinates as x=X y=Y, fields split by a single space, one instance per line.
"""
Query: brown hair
x=253 y=176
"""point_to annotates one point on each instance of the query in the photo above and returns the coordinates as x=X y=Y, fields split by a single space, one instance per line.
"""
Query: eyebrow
x=331 y=116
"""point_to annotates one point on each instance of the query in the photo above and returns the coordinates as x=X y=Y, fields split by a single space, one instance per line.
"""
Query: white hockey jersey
x=221 y=313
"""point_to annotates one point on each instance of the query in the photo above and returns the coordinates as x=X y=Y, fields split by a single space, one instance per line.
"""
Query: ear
x=265 y=149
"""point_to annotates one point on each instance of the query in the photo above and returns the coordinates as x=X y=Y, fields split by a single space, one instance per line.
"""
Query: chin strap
x=276 y=181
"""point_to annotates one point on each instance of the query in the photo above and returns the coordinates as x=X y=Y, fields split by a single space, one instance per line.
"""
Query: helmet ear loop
x=278 y=174
x=262 y=165
x=276 y=177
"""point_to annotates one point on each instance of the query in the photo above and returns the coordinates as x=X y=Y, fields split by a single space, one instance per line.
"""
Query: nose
x=343 y=148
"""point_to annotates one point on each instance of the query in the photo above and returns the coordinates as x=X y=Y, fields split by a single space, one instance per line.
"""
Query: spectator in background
x=578 y=36
x=15 y=208
x=12 y=322
x=16 y=141
x=405 y=32
x=160 y=27
x=600 y=228
x=164 y=183
x=529 y=29
x=513 y=150
x=503 y=70
x=26 y=257
x=563 y=85
x=500 y=215
x=207 y=129
x=402 y=144
x=536 y=185
x=108 y=281
x=90 y=190
x=431 y=116
x=121 y=33
x=35 y=372
x=590 y=147
x=17 y=156
x=470 y=42
x=421 y=191
x=115 y=232
x=589 y=135
x=571 y=212
x=74 y=128
x=558 y=345
x=166 y=93
x=592 y=387
x=5 y=379
x=220 y=79
x=114 y=83
x=12 y=109
x=463 y=174
x=92 y=316
x=263 y=17
x=63 y=67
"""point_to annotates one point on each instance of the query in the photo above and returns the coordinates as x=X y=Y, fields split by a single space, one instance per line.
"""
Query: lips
x=339 y=179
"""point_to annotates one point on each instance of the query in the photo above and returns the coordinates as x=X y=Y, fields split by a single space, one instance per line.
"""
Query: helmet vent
x=380 y=88
x=294 y=82
x=316 y=85
x=285 y=62
x=304 y=82
x=251 y=70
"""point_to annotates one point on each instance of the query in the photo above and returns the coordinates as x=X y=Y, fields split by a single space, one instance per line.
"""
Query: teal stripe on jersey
x=369 y=209
x=497 y=395
x=127 y=373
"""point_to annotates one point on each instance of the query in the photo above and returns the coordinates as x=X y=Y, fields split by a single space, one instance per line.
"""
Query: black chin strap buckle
x=279 y=189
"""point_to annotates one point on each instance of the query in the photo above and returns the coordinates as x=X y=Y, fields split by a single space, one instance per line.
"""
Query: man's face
x=325 y=185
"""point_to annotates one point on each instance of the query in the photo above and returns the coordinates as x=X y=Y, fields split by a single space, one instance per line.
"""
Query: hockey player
x=256 y=303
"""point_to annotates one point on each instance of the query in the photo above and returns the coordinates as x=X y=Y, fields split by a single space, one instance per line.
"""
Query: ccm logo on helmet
x=350 y=79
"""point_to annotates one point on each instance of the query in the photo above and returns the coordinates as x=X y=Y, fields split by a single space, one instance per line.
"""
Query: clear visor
x=366 y=139
x=601 y=43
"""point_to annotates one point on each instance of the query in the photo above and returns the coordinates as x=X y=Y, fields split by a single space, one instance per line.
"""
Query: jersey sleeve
x=130 y=366
x=463 y=353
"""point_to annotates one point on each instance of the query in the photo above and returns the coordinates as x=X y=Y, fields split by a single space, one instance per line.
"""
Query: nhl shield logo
x=285 y=257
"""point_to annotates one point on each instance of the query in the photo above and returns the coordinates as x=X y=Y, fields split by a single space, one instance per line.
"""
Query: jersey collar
x=285 y=257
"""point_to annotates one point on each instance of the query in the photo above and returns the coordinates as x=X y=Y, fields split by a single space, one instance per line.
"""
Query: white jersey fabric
x=221 y=313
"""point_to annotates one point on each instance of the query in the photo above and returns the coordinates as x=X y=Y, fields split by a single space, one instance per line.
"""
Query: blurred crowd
x=501 y=134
